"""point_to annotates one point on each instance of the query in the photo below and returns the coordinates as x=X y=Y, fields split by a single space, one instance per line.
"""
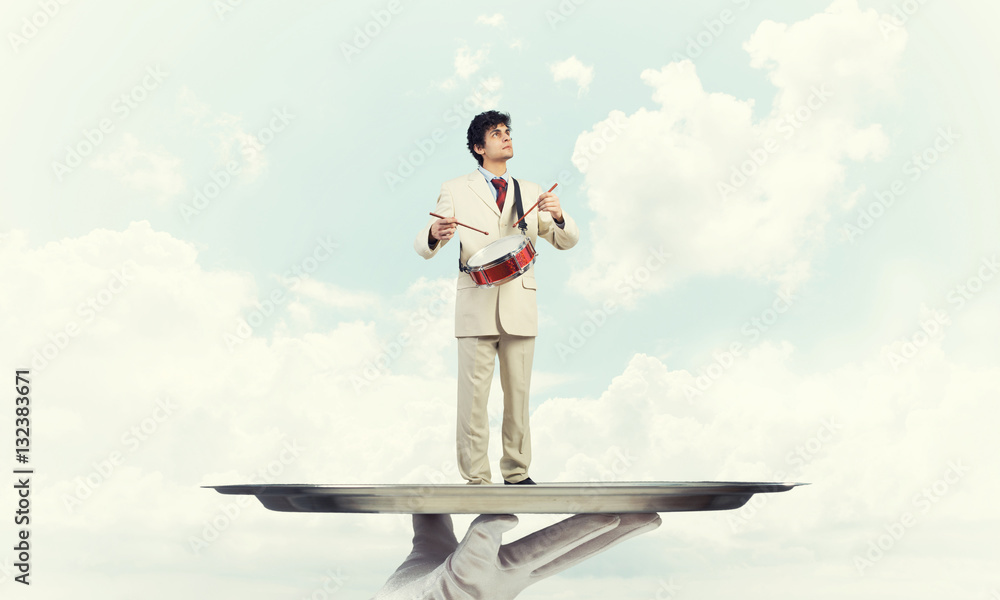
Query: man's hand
x=440 y=568
x=443 y=229
x=549 y=202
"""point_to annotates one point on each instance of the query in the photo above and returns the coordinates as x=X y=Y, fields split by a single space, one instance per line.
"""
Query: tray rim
x=465 y=489
x=547 y=498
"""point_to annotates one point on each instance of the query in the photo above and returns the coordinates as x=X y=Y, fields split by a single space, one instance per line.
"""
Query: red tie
x=501 y=185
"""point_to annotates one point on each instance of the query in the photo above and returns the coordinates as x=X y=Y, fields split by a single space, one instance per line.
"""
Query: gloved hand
x=439 y=568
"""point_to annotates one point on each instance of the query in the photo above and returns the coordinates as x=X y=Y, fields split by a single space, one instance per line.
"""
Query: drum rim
x=502 y=259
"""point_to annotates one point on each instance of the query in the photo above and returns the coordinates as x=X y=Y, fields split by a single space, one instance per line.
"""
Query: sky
x=788 y=271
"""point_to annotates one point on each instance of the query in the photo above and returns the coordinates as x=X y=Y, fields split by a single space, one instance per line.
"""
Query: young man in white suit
x=501 y=321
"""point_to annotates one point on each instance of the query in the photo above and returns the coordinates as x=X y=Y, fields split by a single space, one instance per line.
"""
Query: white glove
x=439 y=568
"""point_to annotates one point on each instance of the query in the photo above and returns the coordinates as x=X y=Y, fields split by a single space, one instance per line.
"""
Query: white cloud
x=154 y=335
x=575 y=71
x=136 y=306
x=870 y=439
x=487 y=93
x=139 y=299
x=334 y=296
x=495 y=20
x=723 y=191
x=467 y=62
x=841 y=47
x=484 y=95
x=156 y=172
x=228 y=135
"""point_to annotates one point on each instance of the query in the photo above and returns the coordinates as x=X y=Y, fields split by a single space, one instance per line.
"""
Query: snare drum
x=503 y=260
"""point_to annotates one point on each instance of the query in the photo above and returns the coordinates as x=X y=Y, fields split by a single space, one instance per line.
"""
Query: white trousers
x=476 y=360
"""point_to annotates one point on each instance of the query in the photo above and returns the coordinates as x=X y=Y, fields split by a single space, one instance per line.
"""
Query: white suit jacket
x=469 y=199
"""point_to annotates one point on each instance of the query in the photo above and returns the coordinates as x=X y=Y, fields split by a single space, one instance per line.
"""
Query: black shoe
x=525 y=481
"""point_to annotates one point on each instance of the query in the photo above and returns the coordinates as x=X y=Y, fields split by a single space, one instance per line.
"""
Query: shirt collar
x=490 y=176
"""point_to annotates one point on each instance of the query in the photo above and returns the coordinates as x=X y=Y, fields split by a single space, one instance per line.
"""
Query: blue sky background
x=125 y=296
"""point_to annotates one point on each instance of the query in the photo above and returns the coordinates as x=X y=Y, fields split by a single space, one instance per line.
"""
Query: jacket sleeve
x=444 y=207
x=563 y=238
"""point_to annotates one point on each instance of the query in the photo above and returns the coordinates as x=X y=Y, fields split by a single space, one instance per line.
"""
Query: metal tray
x=548 y=498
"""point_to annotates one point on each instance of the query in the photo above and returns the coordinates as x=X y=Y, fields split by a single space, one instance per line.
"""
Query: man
x=501 y=321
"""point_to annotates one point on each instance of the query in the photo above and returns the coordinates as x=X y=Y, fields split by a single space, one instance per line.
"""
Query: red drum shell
x=507 y=267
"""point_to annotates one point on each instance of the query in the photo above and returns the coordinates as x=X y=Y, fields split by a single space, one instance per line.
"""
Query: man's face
x=499 y=144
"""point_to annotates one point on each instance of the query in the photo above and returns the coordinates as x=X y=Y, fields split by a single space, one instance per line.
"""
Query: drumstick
x=533 y=207
x=462 y=224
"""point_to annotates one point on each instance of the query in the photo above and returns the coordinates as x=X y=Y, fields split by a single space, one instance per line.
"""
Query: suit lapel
x=479 y=185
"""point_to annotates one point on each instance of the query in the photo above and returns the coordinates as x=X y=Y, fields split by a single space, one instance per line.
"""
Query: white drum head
x=497 y=250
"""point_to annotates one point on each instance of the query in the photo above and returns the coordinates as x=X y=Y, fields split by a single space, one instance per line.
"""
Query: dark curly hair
x=481 y=123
